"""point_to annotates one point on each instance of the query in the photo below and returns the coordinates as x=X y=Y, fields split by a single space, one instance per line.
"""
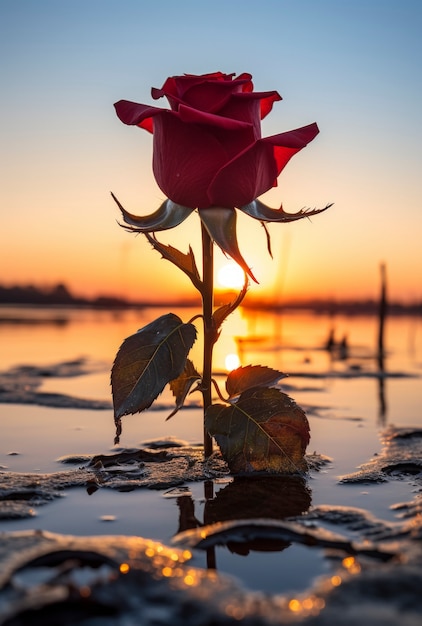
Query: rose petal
x=135 y=114
x=206 y=92
x=211 y=96
x=266 y=98
x=184 y=162
x=177 y=86
x=193 y=116
x=292 y=140
x=255 y=171
x=245 y=177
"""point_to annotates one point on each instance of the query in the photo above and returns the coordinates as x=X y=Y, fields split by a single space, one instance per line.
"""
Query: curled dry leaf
x=181 y=385
x=265 y=430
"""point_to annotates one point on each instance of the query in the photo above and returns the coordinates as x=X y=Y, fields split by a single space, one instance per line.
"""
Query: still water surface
x=349 y=406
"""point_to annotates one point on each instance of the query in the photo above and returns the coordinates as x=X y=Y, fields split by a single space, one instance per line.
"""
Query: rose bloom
x=208 y=149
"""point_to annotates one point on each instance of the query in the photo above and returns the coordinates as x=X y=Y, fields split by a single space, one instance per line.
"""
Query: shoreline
x=349 y=308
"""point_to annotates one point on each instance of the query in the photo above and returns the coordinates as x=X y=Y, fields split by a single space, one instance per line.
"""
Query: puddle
x=341 y=547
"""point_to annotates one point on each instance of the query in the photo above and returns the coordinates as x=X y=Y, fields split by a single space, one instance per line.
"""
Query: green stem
x=209 y=330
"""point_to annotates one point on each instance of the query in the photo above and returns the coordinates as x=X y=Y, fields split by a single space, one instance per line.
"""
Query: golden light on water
x=191 y=578
x=167 y=560
x=309 y=605
x=167 y=572
x=295 y=605
x=235 y=611
x=351 y=565
x=314 y=604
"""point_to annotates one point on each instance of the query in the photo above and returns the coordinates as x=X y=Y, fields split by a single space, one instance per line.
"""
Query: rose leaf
x=264 y=431
x=244 y=378
x=147 y=361
x=184 y=261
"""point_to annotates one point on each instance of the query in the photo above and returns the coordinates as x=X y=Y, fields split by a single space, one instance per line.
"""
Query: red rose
x=209 y=155
x=208 y=149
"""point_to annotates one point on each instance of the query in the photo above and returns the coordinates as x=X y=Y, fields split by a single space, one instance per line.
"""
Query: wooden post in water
x=382 y=312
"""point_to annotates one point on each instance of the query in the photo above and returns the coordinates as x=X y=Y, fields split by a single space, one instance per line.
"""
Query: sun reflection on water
x=232 y=362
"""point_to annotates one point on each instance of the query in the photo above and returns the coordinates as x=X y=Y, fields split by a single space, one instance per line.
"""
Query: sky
x=352 y=66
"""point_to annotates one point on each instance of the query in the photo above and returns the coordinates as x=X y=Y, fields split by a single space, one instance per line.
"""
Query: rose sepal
x=220 y=223
x=168 y=215
x=264 y=213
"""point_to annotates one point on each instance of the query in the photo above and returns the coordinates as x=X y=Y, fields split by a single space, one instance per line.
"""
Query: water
x=349 y=406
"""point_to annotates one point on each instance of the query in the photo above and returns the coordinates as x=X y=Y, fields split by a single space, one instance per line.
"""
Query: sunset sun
x=231 y=276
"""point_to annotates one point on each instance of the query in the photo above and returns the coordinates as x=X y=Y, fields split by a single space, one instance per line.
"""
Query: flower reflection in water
x=262 y=497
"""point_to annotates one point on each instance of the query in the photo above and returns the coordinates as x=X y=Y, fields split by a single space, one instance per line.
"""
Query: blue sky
x=354 y=67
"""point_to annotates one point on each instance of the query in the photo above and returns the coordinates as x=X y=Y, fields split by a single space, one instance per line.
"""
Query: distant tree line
x=60 y=295
x=56 y=295
x=337 y=307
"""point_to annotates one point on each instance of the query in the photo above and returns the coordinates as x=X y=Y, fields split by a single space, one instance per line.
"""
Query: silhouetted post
x=382 y=312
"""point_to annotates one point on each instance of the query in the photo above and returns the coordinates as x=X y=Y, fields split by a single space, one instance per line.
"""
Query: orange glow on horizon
x=163 y=283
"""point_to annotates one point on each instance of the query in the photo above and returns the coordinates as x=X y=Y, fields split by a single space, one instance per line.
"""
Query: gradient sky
x=353 y=66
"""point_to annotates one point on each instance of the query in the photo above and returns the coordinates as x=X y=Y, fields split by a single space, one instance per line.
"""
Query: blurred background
x=353 y=67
